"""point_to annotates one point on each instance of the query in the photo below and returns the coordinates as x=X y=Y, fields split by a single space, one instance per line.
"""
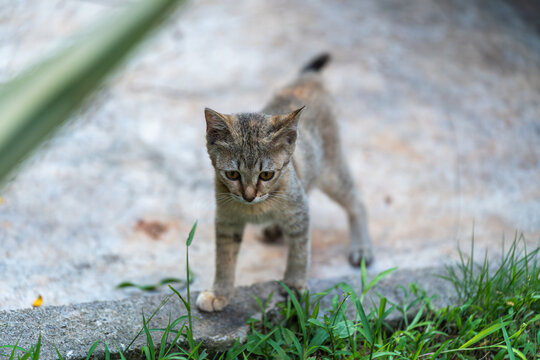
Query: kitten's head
x=250 y=151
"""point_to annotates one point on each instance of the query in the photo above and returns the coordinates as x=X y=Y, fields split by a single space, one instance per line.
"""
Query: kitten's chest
x=254 y=214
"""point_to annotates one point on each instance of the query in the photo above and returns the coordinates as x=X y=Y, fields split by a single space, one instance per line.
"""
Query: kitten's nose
x=249 y=194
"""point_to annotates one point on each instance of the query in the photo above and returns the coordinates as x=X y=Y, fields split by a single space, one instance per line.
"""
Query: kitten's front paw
x=356 y=256
x=209 y=302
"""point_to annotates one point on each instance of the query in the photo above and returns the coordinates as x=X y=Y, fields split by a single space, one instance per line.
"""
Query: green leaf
x=514 y=351
x=122 y=357
x=377 y=278
x=191 y=234
x=184 y=301
x=92 y=349
x=253 y=347
x=60 y=357
x=150 y=348
x=35 y=355
x=27 y=354
x=482 y=334
x=280 y=353
x=38 y=101
x=343 y=329
x=290 y=337
x=298 y=308
x=316 y=322
x=321 y=335
x=107 y=352
x=13 y=348
x=151 y=287
x=507 y=341
x=164 y=338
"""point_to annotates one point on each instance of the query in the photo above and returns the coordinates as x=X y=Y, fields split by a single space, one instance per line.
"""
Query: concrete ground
x=72 y=329
x=439 y=109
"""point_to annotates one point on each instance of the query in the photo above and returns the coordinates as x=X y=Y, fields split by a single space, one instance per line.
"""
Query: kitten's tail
x=317 y=63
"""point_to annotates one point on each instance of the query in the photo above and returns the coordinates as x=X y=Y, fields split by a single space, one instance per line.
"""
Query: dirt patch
x=153 y=229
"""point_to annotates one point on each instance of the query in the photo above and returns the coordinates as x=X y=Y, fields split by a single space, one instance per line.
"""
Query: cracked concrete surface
x=439 y=109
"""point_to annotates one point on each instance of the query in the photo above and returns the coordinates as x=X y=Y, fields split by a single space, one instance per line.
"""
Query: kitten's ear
x=218 y=126
x=286 y=127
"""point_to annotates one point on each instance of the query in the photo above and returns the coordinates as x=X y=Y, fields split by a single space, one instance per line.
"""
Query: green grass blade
x=27 y=354
x=262 y=340
x=280 y=353
x=14 y=348
x=298 y=308
x=60 y=357
x=482 y=334
x=184 y=301
x=294 y=340
x=363 y=278
x=507 y=341
x=191 y=234
x=107 y=352
x=377 y=278
x=150 y=347
x=178 y=334
x=146 y=353
x=92 y=349
x=161 y=305
x=164 y=338
x=120 y=353
x=35 y=355
x=515 y=351
x=39 y=100
x=151 y=287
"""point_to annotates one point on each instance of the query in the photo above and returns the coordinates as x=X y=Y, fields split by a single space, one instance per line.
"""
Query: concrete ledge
x=74 y=328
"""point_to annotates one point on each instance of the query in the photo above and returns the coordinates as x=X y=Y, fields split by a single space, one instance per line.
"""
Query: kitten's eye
x=266 y=175
x=232 y=175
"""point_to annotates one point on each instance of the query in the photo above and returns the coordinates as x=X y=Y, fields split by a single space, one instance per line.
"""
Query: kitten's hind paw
x=209 y=302
x=356 y=256
x=272 y=235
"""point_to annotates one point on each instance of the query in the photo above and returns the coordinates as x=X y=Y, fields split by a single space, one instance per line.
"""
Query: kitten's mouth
x=257 y=200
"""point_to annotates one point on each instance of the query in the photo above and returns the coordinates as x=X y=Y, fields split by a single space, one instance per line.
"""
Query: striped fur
x=301 y=147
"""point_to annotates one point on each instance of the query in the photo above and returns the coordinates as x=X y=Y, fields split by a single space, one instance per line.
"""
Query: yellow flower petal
x=38 y=302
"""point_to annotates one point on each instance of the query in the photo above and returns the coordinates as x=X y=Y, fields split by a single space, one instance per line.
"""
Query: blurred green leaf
x=39 y=100
x=151 y=287
x=191 y=234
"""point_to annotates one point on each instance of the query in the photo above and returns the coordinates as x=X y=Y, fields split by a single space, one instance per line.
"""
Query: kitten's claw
x=209 y=302
x=356 y=256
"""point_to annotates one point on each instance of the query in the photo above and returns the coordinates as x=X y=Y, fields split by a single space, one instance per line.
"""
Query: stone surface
x=74 y=328
x=439 y=112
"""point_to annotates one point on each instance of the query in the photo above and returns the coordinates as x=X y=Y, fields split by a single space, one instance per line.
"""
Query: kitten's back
x=318 y=140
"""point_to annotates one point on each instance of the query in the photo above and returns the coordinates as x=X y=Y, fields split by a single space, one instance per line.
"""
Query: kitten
x=265 y=163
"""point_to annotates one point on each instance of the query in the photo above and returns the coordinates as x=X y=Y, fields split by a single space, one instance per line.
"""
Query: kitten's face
x=250 y=151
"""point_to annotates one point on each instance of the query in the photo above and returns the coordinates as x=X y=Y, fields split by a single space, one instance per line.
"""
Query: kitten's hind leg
x=272 y=234
x=339 y=186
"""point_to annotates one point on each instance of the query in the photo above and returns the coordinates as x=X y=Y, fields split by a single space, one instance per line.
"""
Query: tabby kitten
x=265 y=163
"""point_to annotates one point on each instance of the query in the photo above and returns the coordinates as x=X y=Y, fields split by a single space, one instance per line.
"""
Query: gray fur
x=303 y=154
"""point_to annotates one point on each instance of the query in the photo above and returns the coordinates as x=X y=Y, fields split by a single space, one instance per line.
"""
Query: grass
x=498 y=317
